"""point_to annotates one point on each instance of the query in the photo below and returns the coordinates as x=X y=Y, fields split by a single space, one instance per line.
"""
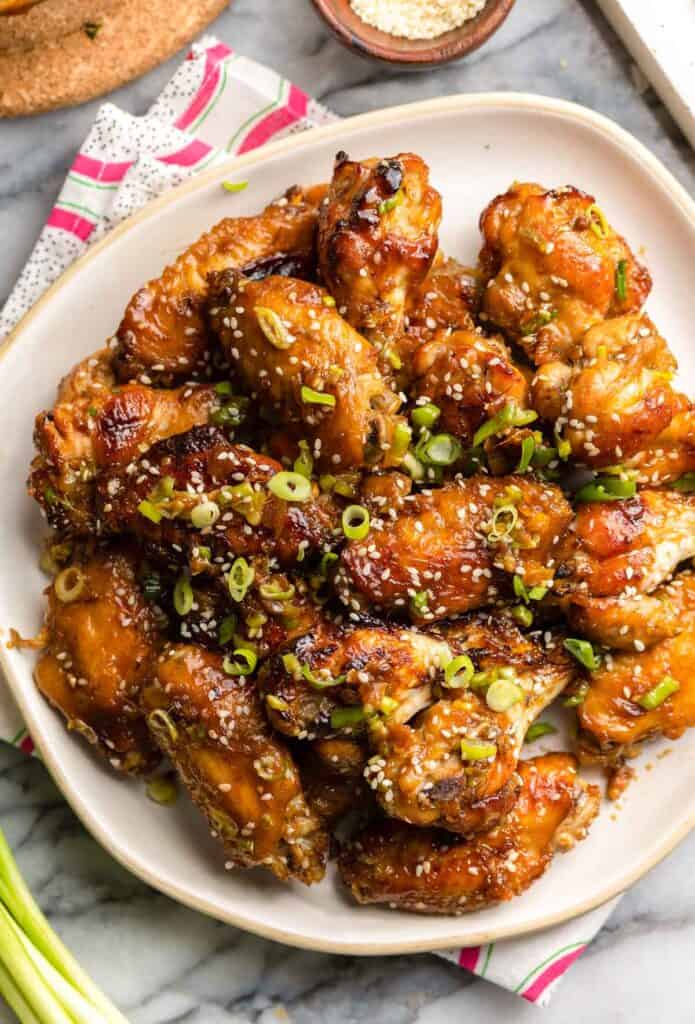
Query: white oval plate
x=475 y=145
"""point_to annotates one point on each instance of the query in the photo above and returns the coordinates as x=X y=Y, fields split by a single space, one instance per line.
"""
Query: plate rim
x=456 y=103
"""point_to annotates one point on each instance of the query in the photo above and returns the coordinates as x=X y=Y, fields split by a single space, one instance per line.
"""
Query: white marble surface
x=163 y=963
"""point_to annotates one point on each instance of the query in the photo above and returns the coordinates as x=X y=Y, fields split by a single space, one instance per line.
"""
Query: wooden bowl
x=357 y=35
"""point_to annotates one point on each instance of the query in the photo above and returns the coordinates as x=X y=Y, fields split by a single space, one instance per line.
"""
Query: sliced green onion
x=273 y=328
x=276 y=703
x=542 y=455
x=227 y=629
x=504 y=521
x=304 y=463
x=183 y=595
x=474 y=751
x=272 y=592
x=458 y=672
x=389 y=204
x=564 y=449
x=537 y=593
x=290 y=486
x=388 y=705
x=311 y=397
x=355 y=522
x=234 y=186
x=659 y=693
x=597 y=220
x=606 y=488
x=401 y=440
x=244 y=665
x=69 y=584
x=393 y=359
x=538 y=729
x=223 y=388
x=685 y=483
x=159 y=720
x=583 y=652
x=413 y=466
x=232 y=413
x=239 y=579
x=327 y=483
x=502 y=694
x=342 y=718
x=245 y=501
x=292 y=665
x=528 y=447
x=578 y=697
x=621 y=280
x=321 y=682
x=328 y=300
x=202 y=552
x=425 y=416
x=150 y=511
x=519 y=588
x=419 y=602
x=439 y=450
x=509 y=416
x=162 y=790
x=204 y=515
x=523 y=615
x=328 y=559
x=542 y=317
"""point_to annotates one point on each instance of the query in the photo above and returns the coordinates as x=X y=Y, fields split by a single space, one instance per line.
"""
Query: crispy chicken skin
x=611 y=719
x=452 y=549
x=163 y=334
x=643 y=619
x=446 y=300
x=101 y=640
x=94 y=427
x=672 y=454
x=469 y=378
x=202 y=465
x=551 y=263
x=631 y=546
x=211 y=726
x=392 y=679
x=377 y=240
x=431 y=871
x=615 y=399
x=283 y=336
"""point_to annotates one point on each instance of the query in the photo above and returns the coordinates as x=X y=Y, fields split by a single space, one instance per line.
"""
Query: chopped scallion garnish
x=458 y=672
x=538 y=729
x=234 y=186
x=425 y=416
x=239 y=579
x=356 y=522
x=290 y=486
x=655 y=697
x=183 y=596
x=606 y=488
x=312 y=397
x=621 y=280
x=477 y=751
x=343 y=718
x=510 y=416
x=583 y=652
x=244 y=664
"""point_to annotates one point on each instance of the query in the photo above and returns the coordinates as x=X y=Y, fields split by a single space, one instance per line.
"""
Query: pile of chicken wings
x=333 y=518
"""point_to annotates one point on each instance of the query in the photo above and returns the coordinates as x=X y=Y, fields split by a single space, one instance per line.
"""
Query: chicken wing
x=671 y=456
x=95 y=426
x=377 y=240
x=308 y=369
x=453 y=548
x=155 y=498
x=433 y=872
x=102 y=638
x=163 y=335
x=634 y=696
x=554 y=267
x=211 y=726
x=615 y=399
x=629 y=547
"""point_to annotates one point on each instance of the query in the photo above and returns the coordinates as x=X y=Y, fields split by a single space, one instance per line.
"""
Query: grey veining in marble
x=163 y=963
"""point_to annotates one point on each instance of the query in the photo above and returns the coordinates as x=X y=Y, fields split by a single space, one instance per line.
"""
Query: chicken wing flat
x=308 y=369
x=671 y=456
x=378 y=239
x=631 y=546
x=96 y=426
x=452 y=549
x=469 y=378
x=554 y=267
x=155 y=498
x=615 y=399
x=636 y=696
x=163 y=334
x=433 y=872
x=211 y=726
x=101 y=640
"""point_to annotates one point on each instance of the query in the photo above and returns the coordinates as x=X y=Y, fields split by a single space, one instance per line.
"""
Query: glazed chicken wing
x=308 y=369
x=95 y=426
x=554 y=267
x=671 y=455
x=377 y=240
x=155 y=498
x=101 y=640
x=211 y=726
x=453 y=548
x=615 y=399
x=636 y=696
x=433 y=872
x=469 y=378
x=629 y=547
x=163 y=335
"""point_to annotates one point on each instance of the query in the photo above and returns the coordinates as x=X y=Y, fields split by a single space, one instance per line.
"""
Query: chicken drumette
x=431 y=871
x=454 y=548
x=211 y=725
x=163 y=336
x=102 y=638
x=554 y=267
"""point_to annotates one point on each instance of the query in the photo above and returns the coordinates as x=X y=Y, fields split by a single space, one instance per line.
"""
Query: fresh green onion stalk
x=39 y=979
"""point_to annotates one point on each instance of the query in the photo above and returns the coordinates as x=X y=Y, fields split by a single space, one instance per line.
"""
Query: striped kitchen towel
x=219 y=104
